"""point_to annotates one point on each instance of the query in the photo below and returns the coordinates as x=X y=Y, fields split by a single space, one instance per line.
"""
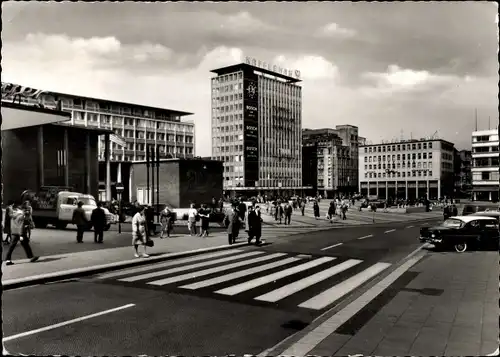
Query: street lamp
x=119 y=191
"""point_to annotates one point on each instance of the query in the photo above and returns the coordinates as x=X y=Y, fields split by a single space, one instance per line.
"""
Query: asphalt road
x=51 y=241
x=230 y=302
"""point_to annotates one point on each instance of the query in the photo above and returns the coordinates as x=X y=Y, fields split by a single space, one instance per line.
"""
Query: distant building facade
x=407 y=169
x=256 y=129
x=333 y=149
x=485 y=165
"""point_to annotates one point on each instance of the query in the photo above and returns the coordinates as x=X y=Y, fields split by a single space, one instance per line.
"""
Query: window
x=485 y=176
x=430 y=145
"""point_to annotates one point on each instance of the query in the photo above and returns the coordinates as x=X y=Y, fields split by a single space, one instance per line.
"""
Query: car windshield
x=88 y=201
x=453 y=223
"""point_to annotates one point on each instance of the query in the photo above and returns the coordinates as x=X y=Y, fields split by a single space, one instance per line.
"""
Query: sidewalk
x=63 y=262
x=449 y=308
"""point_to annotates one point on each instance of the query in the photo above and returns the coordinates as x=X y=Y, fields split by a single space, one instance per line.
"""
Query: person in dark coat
x=331 y=210
x=446 y=212
x=302 y=207
x=316 y=210
x=288 y=213
x=454 y=210
x=8 y=214
x=232 y=221
x=80 y=220
x=255 y=225
x=98 y=219
x=204 y=214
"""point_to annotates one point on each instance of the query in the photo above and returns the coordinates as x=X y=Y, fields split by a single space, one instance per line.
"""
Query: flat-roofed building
x=485 y=165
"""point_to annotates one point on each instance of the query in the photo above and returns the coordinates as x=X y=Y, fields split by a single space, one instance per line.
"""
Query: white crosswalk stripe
x=312 y=283
x=188 y=267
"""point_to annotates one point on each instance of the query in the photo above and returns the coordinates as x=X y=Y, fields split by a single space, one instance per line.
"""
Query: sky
x=396 y=70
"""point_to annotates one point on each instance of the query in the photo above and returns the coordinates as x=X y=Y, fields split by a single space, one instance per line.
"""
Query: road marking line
x=368 y=236
x=389 y=231
x=410 y=227
x=304 y=283
x=314 y=337
x=209 y=271
x=239 y=288
x=187 y=267
x=224 y=278
x=51 y=327
x=332 y=246
x=169 y=263
x=331 y=295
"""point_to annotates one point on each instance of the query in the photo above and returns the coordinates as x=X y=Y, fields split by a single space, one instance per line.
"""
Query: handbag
x=150 y=243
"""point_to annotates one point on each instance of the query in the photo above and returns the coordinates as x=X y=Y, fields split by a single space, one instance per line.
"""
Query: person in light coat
x=232 y=220
x=19 y=225
x=139 y=232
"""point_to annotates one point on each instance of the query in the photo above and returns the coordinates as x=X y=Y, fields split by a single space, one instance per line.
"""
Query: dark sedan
x=462 y=233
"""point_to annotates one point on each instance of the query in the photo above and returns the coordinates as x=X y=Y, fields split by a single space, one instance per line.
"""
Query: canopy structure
x=15 y=116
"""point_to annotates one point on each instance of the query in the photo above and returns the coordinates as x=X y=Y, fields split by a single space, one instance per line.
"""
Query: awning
x=15 y=116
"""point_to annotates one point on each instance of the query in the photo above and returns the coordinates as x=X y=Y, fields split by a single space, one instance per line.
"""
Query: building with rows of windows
x=485 y=165
x=256 y=129
x=407 y=169
x=136 y=127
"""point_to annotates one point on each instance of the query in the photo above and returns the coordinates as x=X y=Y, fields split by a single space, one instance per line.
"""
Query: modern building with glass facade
x=407 y=169
x=256 y=130
x=136 y=127
x=485 y=165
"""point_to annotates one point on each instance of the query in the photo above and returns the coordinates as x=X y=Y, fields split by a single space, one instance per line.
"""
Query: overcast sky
x=390 y=68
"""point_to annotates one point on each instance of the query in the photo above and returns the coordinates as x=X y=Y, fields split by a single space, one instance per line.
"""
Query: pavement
x=353 y=215
x=368 y=289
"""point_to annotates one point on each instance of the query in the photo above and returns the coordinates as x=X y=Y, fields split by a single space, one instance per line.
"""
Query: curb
x=97 y=269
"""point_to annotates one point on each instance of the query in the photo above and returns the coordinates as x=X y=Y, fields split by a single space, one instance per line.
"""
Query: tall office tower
x=256 y=129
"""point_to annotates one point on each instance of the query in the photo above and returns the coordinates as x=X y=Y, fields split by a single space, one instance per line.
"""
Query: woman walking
x=166 y=219
x=316 y=210
x=139 y=232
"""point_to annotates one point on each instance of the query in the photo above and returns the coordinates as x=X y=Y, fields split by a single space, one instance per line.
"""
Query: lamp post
x=119 y=190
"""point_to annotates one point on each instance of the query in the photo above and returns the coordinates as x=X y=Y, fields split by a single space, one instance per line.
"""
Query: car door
x=490 y=234
x=471 y=232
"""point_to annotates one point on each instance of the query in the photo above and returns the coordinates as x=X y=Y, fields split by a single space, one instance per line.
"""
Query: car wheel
x=460 y=247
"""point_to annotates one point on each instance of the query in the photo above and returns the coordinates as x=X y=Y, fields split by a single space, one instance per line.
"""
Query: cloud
x=243 y=23
x=334 y=30
x=397 y=79
x=311 y=67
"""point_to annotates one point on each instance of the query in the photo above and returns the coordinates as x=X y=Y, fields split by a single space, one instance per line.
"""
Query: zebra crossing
x=278 y=279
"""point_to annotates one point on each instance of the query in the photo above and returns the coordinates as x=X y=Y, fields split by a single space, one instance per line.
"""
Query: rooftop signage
x=14 y=90
x=272 y=67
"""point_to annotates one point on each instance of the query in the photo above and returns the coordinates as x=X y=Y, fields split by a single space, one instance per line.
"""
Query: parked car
x=462 y=233
x=492 y=214
x=479 y=207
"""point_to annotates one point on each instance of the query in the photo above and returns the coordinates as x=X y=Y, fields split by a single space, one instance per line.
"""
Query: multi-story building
x=136 y=127
x=407 y=169
x=463 y=173
x=361 y=141
x=336 y=167
x=256 y=129
x=485 y=165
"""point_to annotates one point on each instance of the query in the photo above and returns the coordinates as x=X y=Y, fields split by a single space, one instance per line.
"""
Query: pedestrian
x=139 y=231
x=98 y=219
x=204 y=214
x=454 y=210
x=302 y=207
x=288 y=214
x=232 y=221
x=255 y=225
x=344 y=210
x=331 y=211
x=80 y=220
x=316 y=210
x=166 y=219
x=281 y=212
x=19 y=224
x=192 y=218
x=446 y=212
x=6 y=229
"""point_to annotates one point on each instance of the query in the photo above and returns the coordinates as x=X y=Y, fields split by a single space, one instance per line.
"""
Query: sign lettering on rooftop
x=14 y=90
x=272 y=67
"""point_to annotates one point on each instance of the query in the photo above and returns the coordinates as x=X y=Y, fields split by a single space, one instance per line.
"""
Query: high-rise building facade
x=463 y=173
x=136 y=128
x=407 y=169
x=485 y=165
x=256 y=129
x=337 y=169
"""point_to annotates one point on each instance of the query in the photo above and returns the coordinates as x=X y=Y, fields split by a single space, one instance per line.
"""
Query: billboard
x=251 y=128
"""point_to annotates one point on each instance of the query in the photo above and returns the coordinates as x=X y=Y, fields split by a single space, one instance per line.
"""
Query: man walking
x=98 y=219
x=255 y=225
x=18 y=227
x=80 y=220
x=288 y=213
